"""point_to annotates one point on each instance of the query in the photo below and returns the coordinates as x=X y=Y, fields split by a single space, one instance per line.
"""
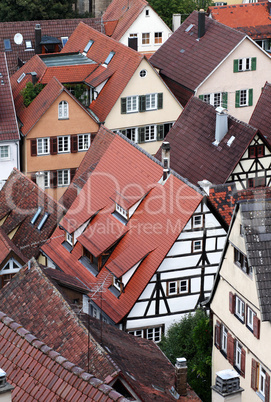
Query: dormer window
x=64 y=40
x=117 y=283
x=63 y=110
x=69 y=239
x=88 y=46
x=109 y=58
x=123 y=212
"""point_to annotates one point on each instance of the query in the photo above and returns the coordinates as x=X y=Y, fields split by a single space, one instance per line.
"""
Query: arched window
x=63 y=110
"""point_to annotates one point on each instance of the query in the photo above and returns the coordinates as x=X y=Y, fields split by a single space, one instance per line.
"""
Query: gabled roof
x=7 y=247
x=38 y=372
x=187 y=60
x=20 y=199
x=8 y=123
x=56 y=28
x=192 y=152
x=252 y=18
x=120 y=15
x=261 y=116
x=122 y=165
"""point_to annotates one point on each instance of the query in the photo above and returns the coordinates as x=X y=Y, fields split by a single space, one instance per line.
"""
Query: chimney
x=227 y=387
x=5 y=387
x=221 y=125
x=176 y=21
x=201 y=23
x=37 y=39
x=40 y=180
x=181 y=376
x=34 y=77
x=205 y=185
x=165 y=159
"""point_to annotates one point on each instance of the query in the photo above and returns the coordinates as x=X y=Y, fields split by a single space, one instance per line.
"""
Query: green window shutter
x=141 y=135
x=123 y=105
x=160 y=132
x=142 y=103
x=225 y=99
x=253 y=63
x=237 y=99
x=235 y=65
x=201 y=97
x=250 y=97
x=160 y=100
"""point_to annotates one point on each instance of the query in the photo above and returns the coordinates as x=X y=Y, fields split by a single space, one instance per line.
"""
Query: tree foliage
x=27 y=10
x=30 y=92
x=192 y=338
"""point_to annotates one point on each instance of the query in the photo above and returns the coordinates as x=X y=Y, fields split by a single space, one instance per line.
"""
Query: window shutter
x=123 y=105
x=235 y=65
x=254 y=374
x=160 y=132
x=160 y=100
x=74 y=142
x=53 y=145
x=53 y=178
x=267 y=387
x=225 y=99
x=141 y=134
x=237 y=99
x=218 y=335
x=33 y=145
x=256 y=327
x=72 y=173
x=201 y=97
x=230 y=349
x=232 y=302
x=250 y=97
x=142 y=103
x=243 y=362
x=253 y=63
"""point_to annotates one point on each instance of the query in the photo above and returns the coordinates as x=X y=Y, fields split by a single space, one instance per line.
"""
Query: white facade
x=9 y=159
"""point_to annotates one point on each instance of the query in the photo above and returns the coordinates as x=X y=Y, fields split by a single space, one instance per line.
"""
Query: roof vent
x=3 y=378
x=221 y=126
x=230 y=140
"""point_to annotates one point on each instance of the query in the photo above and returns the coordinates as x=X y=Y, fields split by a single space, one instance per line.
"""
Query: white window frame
x=10 y=268
x=69 y=238
x=64 y=40
x=239 y=308
x=175 y=290
x=154 y=334
x=63 y=179
x=186 y=286
x=151 y=101
x=63 y=110
x=250 y=317
x=197 y=218
x=63 y=144
x=43 y=146
x=224 y=339
x=116 y=282
x=123 y=212
x=238 y=355
x=244 y=64
x=262 y=378
x=146 y=40
x=139 y=333
x=244 y=97
x=4 y=148
x=132 y=104
x=83 y=142
x=46 y=179
x=150 y=132
x=210 y=99
x=28 y=44
x=197 y=246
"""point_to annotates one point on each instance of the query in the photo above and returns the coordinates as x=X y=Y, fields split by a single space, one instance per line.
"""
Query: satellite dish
x=18 y=38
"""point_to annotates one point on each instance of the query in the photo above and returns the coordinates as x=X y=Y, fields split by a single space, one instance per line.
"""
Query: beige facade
x=224 y=79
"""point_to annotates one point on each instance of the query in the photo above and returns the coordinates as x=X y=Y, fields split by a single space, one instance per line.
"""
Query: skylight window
x=88 y=46
x=189 y=28
x=109 y=58
x=28 y=44
x=43 y=220
x=64 y=40
x=7 y=44
x=35 y=217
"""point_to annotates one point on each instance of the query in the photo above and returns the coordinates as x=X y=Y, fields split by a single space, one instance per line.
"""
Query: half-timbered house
x=143 y=239
x=209 y=145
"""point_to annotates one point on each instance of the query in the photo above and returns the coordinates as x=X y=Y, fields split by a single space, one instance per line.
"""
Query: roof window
x=35 y=217
x=28 y=45
x=109 y=58
x=189 y=28
x=43 y=220
x=88 y=46
x=7 y=44
x=64 y=40
x=121 y=211
x=21 y=78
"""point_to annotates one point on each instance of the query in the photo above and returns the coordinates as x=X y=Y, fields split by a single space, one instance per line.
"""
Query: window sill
x=260 y=396
x=5 y=159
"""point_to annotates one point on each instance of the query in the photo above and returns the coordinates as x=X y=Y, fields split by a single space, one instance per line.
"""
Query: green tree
x=192 y=338
x=30 y=92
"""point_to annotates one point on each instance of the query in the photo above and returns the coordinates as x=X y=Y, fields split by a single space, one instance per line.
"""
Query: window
x=145 y=39
x=250 y=318
x=83 y=142
x=63 y=110
x=131 y=104
x=147 y=12
x=43 y=146
x=154 y=334
x=43 y=220
x=239 y=308
x=46 y=179
x=63 y=144
x=177 y=287
x=138 y=332
x=28 y=45
x=63 y=177
x=260 y=380
x=244 y=97
x=172 y=288
x=143 y=73
x=133 y=35
x=244 y=64
x=256 y=151
x=216 y=99
x=150 y=133
x=197 y=221
x=157 y=37
x=224 y=337
x=64 y=40
x=121 y=211
x=69 y=238
x=256 y=182
x=88 y=46
x=5 y=152
x=196 y=245
x=241 y=261
x=151 y=101
x=109 y=58
x=237 y=357
x=117 y=283
x=35 y=217
x=7 y=45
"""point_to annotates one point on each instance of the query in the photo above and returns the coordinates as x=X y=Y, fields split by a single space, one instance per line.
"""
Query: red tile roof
x=69 y=74
x=20 y=199
x=7 y=246
x=123 y=14
x=151 y=228
x=223 y=198
x=193 y=154
x=39 y=373
x=252 y=18
x=187 y=60
x=8 y=122
x=261 y=116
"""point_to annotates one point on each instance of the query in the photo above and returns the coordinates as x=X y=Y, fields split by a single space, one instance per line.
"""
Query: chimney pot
x=201 y=23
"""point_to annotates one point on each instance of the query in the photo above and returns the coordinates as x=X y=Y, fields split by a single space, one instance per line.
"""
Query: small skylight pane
x=109 y=58
x=21 y=78
x=64 y=40
x=35 y=217
x=28 y=44
x=42 y=222
x=189 y=27
x=7 y=44
x=90 y=43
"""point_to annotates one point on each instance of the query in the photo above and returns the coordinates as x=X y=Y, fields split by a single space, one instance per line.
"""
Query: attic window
x=21 y=78
x=109 y=58
x=43 y=220
x=7 y=45
x=35 y=217
x=121 y=211
x=64 y=40
x=189 y=28
x=147 y=12
x=88 y=46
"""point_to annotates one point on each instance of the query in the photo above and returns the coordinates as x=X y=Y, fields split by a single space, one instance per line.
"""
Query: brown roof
x=261 y=116
x=8 y=121
x=20 y=199
x=193 y=154
x=66 y=280
x=252 y=18
x=7 y=246
x=39 y=373
x=187 y=60
x=223 y=197
x=56 y=28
